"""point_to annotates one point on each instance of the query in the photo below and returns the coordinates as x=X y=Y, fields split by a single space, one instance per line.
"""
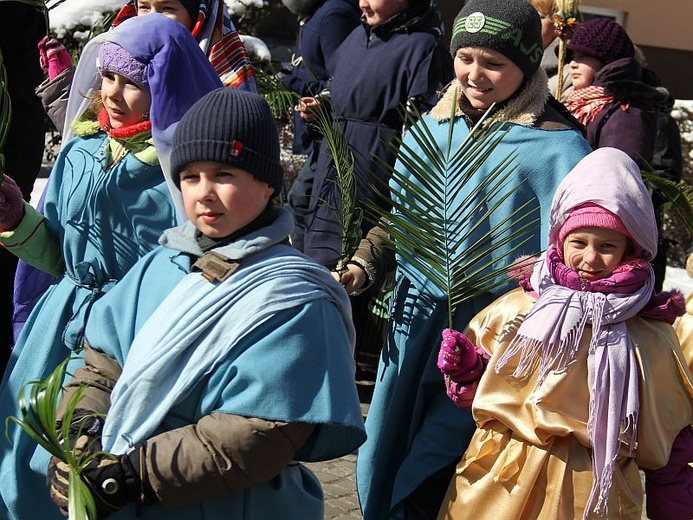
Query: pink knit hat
x=593 y=215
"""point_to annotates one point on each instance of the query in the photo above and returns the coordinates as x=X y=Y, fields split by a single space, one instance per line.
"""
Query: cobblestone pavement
x=338 y=478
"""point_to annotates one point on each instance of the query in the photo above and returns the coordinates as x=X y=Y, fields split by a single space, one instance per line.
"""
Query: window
x=599 y=12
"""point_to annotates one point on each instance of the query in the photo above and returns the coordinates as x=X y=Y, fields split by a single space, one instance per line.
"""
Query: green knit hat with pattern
x=511 y=27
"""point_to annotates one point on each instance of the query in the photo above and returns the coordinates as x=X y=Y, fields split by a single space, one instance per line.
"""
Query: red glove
x=11 y=204
x=54 y=57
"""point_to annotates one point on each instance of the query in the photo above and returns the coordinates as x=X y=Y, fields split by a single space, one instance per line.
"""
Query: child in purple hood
x=106 y=205
x=577 y=379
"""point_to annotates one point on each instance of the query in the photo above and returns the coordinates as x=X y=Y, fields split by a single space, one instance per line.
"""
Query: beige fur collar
x=524 y=110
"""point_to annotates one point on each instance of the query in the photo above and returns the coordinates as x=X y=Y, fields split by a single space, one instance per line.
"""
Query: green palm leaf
x=5 y=114
x=349 y=215
x=280 y=99
x=446 y=241
x=677 y=196
x=38 y=404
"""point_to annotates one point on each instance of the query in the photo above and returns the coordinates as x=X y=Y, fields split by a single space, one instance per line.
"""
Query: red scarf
x=123 y=132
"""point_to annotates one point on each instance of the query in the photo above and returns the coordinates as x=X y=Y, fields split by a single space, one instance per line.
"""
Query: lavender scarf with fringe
x=549 y=338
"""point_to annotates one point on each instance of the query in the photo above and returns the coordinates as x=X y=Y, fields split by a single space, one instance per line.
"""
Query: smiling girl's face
x=125 y=102
x=594 y=252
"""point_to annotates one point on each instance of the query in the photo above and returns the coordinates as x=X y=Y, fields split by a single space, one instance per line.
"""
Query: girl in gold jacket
x=578 y=379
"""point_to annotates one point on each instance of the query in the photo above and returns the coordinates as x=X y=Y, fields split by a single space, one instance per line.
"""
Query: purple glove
x=11 y=204
x=54 y=57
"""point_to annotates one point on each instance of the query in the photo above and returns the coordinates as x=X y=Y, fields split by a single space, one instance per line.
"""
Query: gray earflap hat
x=233 y=127
x=511 y=27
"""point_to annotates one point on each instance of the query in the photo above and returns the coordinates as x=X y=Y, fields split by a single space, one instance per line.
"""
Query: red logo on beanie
x=236 y=148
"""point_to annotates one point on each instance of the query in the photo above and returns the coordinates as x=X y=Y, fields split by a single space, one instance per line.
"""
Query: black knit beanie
x=511 y=27
x=233 y=127
x=601 y=38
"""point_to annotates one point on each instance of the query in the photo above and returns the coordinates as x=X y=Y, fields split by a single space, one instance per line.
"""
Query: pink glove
x=463 y=364
x=11 y=205
x=458 y=356
x=54 y=57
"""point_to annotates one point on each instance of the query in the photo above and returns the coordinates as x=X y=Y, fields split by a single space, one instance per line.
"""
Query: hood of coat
x=420 y=16
x=624 y=80
x=523 y=109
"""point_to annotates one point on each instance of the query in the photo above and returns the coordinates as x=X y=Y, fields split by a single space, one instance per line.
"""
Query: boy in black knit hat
x=233 y=359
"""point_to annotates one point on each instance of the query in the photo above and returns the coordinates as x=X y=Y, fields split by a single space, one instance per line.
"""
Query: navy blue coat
x=318 y=38
x=375 y=72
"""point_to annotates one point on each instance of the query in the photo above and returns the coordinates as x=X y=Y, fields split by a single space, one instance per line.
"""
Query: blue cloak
x=274 y=341
x=413 y=428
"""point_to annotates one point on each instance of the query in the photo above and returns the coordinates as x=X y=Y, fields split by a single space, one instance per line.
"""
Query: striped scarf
x=218 y=39
x=586 y=103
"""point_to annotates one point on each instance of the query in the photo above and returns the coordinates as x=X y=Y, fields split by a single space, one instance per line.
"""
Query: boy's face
x=582 y=69
x=220 y=199
x=124 y=101
x=171 y=8
x=379 y=11
x=594 y=252
x=486 y=76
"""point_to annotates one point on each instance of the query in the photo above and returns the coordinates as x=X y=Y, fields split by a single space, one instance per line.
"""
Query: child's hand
x=309 y=108
x=11 y=204
x=689 y=265
x=352 y=279
x=54 y=57
x=457 y=356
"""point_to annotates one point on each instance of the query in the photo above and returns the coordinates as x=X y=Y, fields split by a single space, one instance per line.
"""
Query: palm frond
x=51 y=4
x=5 y=114
x=349 y=215
x=280 y=99
x=38 y=404
x=35 y=3
x=450 y=242
x=677 y=196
